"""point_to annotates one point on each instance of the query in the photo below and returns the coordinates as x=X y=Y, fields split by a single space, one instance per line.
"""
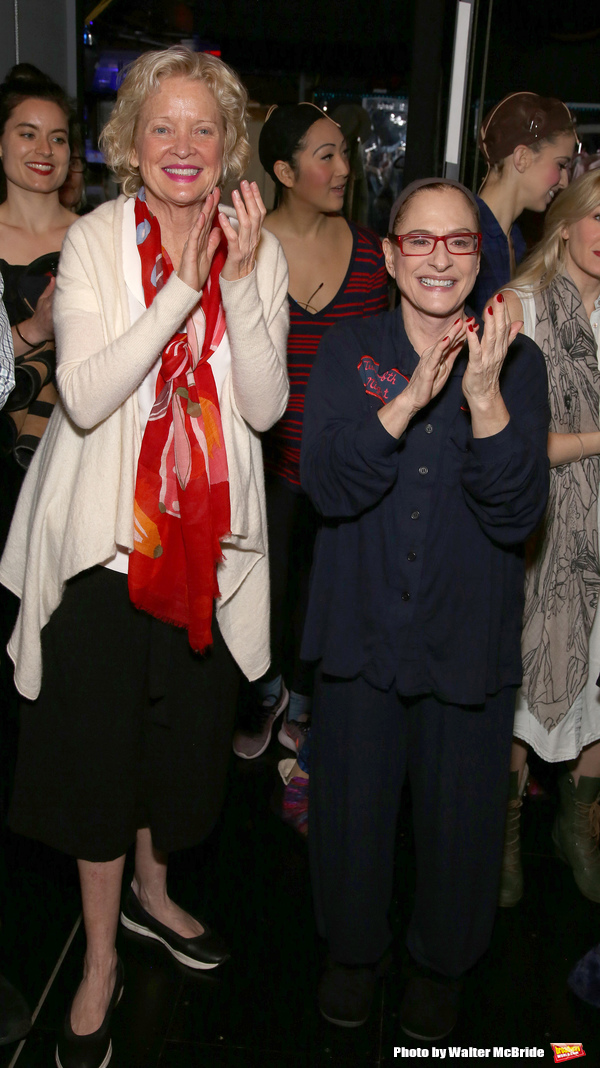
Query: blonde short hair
x=143 y=77
x=548 y=258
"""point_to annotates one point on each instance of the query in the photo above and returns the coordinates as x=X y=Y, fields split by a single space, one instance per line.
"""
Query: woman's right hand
x=40 y=327
x=201 y=245
x=428 y=378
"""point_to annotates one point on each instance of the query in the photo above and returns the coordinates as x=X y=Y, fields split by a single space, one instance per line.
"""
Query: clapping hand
x=201 y=245
x=434 y=367
x=243 y=242
x=481 y=380
x=427 y=380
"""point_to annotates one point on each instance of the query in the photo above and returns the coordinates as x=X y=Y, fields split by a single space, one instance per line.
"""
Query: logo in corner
x=567 y=1051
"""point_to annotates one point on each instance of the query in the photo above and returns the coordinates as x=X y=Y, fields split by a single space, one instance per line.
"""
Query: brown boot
x=511 y=876
x=576 y=830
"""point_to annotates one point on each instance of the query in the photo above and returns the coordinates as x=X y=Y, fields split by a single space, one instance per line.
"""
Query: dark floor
x=259 y=1011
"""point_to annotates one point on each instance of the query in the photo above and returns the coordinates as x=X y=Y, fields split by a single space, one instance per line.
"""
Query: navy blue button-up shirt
x=494 y=267
x=418 y=569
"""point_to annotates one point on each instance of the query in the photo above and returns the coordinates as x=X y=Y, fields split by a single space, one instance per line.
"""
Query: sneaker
x=429 y=1008
x=251 y=741
x=292 y=733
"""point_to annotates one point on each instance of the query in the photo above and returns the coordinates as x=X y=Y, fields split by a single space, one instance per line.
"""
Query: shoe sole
x=509 y=903
x=104 y=1064
x=145 y=932
x=285 y=700
x=284 y=739
x=343 y=1023
x=427 y=1038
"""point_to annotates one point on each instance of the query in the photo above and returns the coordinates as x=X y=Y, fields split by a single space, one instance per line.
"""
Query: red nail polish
x=471 y=319
x=490 y=310
x=471 y=329
x=445 y=338
x=456 y=321
x=499 y=298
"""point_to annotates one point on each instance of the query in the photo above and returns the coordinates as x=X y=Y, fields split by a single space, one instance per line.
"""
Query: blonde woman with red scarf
x=139 y=545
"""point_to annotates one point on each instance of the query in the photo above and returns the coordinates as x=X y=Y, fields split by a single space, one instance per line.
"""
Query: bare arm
x=562 y=448
x=514 y=306
x=570 y=448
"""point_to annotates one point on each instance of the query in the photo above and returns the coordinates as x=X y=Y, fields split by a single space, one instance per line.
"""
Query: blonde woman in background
x=557 y=296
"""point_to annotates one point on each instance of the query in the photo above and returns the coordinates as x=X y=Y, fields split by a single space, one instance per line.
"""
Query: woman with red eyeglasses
x=424 y=449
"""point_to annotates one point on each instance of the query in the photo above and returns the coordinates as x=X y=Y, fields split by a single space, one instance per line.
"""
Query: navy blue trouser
x=363 y=743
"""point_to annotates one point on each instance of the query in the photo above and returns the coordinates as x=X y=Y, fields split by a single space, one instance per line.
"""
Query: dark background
x=287 y=50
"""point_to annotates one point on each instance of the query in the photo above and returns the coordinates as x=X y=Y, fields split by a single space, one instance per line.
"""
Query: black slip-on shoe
x=89 y=1051
x=429 y=1008
x=205 y=951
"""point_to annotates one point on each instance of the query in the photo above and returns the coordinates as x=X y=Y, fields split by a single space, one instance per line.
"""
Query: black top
x=418 y=570
x=24 y=285
x=494 y=267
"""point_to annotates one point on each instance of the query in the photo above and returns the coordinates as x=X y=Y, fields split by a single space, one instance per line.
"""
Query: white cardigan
x=76 y=504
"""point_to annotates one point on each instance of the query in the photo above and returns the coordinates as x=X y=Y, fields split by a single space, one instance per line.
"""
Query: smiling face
x=321 y=167
x=35 y=146
x=179 y=144
x=546 y=172
x=582 y=253
x=436 y=284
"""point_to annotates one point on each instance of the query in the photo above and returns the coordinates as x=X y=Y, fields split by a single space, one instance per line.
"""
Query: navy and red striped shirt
x=364 y=292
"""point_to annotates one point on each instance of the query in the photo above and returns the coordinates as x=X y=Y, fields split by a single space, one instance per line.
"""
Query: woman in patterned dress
x=557 y=295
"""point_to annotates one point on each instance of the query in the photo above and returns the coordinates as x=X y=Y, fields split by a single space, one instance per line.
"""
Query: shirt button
x=429 y=429
x=415 y=514
x=411 y=556
x=423 y=470
x=406 y=596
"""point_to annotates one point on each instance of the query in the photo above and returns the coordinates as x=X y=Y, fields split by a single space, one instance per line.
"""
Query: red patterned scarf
x=182 y=489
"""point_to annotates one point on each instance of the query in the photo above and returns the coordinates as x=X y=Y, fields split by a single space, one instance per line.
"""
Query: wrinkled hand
x=434 y=367
x=481 y=380
x=428 y=378
x=201 y=245
x=40 y=327
x=243 y=242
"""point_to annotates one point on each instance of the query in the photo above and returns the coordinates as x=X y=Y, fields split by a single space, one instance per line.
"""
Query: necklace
x=308 y=306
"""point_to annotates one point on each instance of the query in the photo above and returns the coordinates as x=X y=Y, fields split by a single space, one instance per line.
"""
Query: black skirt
x=131 y=729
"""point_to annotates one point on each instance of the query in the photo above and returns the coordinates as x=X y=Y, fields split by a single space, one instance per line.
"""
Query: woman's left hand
x=481 y=380
x=243 y=242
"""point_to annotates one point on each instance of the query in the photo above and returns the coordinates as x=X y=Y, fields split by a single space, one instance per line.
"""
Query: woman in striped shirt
x=336 y=271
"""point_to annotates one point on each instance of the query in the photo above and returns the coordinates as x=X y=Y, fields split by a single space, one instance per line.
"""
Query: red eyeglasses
x=463 y=244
